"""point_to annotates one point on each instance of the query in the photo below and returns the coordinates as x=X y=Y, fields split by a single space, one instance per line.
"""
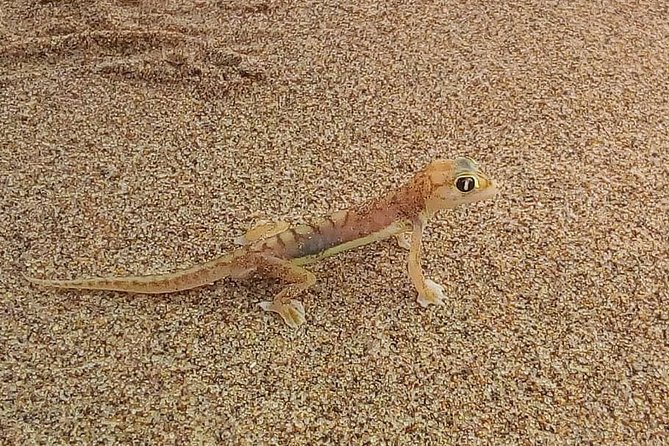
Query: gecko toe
x=292 y=313
x=433 y=295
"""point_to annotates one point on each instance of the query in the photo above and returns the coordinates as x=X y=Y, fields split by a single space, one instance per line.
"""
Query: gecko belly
x=311 y=253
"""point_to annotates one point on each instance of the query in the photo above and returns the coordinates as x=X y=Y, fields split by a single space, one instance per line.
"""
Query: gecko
x=280 y=250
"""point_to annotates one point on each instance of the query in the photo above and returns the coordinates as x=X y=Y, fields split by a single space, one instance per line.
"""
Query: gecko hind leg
x=261 y=231
x=284 y=303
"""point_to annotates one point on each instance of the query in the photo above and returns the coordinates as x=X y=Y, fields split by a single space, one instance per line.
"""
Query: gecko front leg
x=403 y=236
x=429 y=292
x=299 y=280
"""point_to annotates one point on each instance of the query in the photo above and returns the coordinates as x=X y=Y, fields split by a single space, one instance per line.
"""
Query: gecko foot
x=404 y=240
x=434 y=294
x=292 y=312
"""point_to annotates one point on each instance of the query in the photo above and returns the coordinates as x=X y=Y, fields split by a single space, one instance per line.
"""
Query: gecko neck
x=397 y=205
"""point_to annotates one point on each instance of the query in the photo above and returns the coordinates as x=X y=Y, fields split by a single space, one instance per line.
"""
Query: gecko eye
x=465 y=184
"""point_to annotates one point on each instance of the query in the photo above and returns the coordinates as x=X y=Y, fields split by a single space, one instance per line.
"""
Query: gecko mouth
x=491 y=191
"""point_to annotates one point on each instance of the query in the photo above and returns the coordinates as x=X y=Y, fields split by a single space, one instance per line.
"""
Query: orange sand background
x=143 y=136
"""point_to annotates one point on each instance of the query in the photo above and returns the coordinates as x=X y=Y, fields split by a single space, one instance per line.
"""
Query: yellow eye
x=466 y=183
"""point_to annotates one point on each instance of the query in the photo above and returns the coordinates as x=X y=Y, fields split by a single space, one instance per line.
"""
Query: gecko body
x=279 y=250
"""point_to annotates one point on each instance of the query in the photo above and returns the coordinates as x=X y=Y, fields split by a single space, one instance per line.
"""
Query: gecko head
x=456 y=182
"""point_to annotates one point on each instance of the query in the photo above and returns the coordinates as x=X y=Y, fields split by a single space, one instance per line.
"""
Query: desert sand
x=140 y=137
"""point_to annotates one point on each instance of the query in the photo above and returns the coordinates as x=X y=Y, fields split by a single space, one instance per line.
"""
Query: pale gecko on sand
x=280 y=250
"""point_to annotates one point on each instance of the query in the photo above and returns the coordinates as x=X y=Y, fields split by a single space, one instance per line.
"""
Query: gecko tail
x=186 y=279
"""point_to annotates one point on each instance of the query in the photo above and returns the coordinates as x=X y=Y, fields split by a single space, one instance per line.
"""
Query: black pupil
x=465 y=184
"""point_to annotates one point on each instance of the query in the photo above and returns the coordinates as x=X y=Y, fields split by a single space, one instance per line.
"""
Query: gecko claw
x=292 y=313
x=433 y=295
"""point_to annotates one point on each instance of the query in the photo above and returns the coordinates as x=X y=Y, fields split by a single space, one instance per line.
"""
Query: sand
x=144 y=136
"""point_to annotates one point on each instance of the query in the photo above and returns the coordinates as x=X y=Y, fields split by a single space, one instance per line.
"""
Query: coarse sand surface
x=143 y=136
